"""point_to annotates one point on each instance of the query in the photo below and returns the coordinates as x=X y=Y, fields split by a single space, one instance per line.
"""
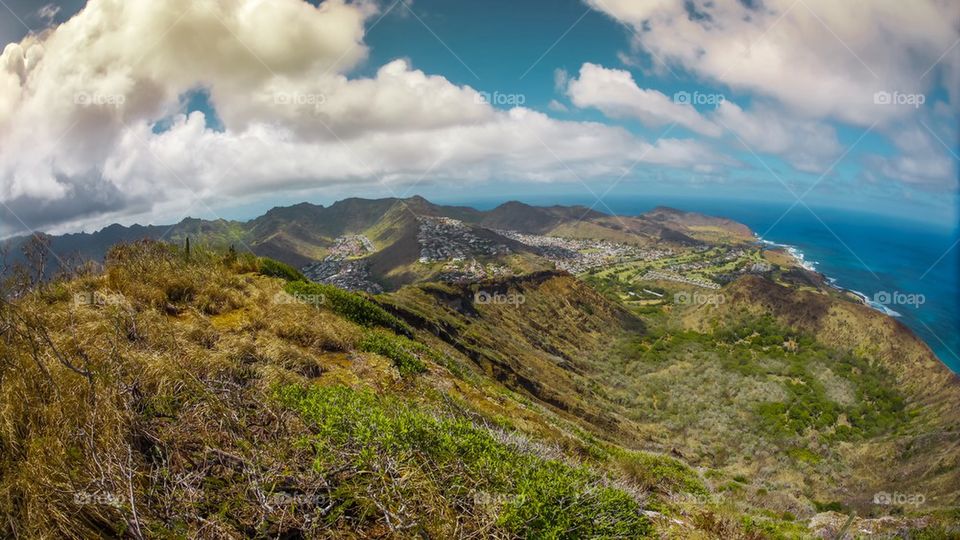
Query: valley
x=667 y=373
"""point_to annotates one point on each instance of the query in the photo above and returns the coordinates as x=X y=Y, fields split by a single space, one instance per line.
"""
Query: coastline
x=795 y=253
x=811 y=266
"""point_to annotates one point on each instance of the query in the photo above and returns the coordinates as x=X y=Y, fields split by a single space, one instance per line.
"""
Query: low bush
x=272 y=268
x=404 y=353
x=347 y=304
x=662 y=474
x=443 y=462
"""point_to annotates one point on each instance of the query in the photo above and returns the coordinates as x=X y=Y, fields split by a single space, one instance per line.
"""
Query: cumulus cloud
x=521 y=143
x=80 y=103
x=68 y=94
x=806 y=144
x=922 y=160
x=616 y=94
x=819 y=57
x=809 y=146
x=397 y=98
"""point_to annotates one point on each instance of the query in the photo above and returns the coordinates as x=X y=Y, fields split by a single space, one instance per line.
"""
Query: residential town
x=341 y=267
x=472 y=271
x=350 y=275
x=577 y=256
x=351 y=246
x=445 y=239
x=464 y=253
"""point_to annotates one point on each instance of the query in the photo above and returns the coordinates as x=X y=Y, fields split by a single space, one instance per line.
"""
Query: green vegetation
x=196 y=380
x=878 y=408
x=270 y=267
x=462 y=464
x=347 y=304
x=761 y=348
x=662 y=474
x=402 y=351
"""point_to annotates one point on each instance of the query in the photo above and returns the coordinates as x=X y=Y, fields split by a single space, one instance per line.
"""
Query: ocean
x=904 y=268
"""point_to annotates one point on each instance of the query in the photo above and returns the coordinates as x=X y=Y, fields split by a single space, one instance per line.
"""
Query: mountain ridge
x=299 y=233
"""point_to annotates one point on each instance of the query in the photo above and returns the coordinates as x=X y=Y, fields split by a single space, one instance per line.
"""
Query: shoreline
x=811 y=266
x=794 y=252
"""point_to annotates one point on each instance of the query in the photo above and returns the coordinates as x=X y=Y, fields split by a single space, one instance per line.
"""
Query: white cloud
x=617 y=95
x=809 y=146
x=78 y=104
x=556 y=106
x=922 y=161
x=48 y=12
x=521 y=144
x=398 y=98
x=806 y=144
x=560 y=80
x=822 y=58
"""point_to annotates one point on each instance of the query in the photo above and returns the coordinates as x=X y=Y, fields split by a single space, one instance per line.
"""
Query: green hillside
x=182 y=396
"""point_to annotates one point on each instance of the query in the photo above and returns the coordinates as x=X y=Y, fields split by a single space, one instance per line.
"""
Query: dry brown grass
x=152 y=412
x=131 y=415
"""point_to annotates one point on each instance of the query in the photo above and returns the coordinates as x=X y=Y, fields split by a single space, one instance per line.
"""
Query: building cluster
x=734 y=254
x=761 y=267
x=349 y=275
x=691 y=266
x=472 y=271
x=349 y=247
x=727 y=256
x=579 y=255
x=342 y=268
x=446 y=239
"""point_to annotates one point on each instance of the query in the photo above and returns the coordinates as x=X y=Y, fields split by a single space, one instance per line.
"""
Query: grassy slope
x=224 y=403
x=792 y=420
x=931 y=392
x=195 y=398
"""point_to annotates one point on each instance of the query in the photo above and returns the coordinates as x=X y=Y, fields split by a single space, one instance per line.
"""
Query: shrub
x=832 y=506
x=272 y=268
x=532 y=497
x=402 y=351
x=662 y=474
x=350 y=305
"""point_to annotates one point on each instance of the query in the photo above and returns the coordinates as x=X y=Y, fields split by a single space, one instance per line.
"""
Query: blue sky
x=184 y=110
